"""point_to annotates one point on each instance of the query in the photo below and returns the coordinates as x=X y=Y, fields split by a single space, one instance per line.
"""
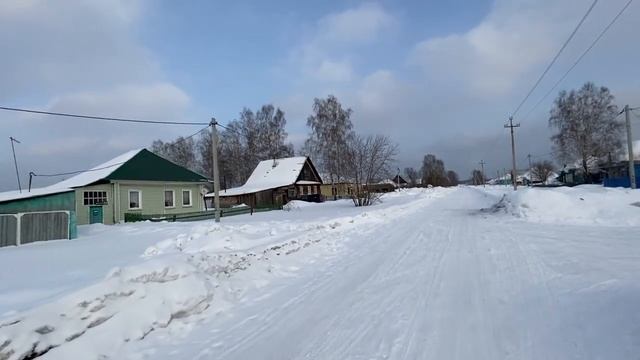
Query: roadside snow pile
x=581 y=205
x=296 y=205
x=127 y=305
x=179 y=277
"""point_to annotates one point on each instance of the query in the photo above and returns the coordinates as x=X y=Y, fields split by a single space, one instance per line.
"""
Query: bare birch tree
x=452 y=178
x=476 y=177
x=586 y=125
x=331 y=131
x=369 y=160
x=541 y=170
x=412 y=176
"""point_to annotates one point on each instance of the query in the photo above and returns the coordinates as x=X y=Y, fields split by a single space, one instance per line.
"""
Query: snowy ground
x=465 y=273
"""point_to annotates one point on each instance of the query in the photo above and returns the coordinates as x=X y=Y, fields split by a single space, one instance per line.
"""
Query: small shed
x=273 y=183
x=617 y=174
x=37 y=215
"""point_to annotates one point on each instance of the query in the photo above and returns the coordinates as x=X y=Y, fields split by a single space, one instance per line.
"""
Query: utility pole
x=482 y=165
x=216 y=173
x=14 y=140
x=530 y=175
x=632 y=170
x=513 y=152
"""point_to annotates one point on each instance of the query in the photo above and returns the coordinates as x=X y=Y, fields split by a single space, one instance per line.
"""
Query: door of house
x=95 y=215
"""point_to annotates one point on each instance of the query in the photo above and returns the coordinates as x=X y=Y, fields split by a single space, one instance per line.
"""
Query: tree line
x=244 y=142
x=340 y=154
x=432 y=173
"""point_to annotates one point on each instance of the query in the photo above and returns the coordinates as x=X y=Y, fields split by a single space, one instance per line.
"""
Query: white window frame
x=139 y=199
x=106 y=197
x=173 y=200
x=190 y=198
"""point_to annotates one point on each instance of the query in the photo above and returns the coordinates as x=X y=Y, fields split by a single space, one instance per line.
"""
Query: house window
x=95 y=198
x=305 y=190
x=169 y=199
x=292 y=193
x=186 y=198
x=135 y=197
x=334 y=191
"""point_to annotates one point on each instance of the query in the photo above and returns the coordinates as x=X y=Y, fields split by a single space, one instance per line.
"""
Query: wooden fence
x=195 y=216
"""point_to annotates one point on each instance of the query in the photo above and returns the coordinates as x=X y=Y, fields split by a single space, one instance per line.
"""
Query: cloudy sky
x=437 y=76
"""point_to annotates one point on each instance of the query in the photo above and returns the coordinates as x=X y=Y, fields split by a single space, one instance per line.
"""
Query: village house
x=399 y=182
x=274 y=183
x=337 y=190
x=138 y=182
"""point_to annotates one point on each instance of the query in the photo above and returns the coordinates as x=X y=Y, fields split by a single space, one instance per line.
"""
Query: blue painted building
x=617 y=174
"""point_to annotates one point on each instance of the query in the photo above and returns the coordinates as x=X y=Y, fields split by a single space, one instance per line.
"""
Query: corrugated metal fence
x=24 y=228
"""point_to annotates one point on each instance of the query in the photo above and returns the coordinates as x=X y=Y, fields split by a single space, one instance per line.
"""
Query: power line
x=179 y=140
x=116 y=164
x=227 y=128
x=575 y=30
x=103 y=118
x=595 y=41
x=75 y=172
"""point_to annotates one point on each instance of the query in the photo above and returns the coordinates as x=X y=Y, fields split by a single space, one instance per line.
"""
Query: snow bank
x=581 y=205
x=180 y=277
x=296 y=205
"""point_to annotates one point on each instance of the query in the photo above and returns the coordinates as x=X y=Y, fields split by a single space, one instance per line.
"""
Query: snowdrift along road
x=424 y=275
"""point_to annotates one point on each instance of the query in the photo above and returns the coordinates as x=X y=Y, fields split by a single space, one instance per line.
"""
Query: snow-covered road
x=444 y=281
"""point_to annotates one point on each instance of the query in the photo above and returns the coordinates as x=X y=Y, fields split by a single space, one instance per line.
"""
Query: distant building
x=617 y=174
x=136 y=182
x=337 y=190
x=398 y=181
x=273 y=183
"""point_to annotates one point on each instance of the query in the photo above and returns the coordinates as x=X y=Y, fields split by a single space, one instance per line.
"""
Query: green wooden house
x=136 y=182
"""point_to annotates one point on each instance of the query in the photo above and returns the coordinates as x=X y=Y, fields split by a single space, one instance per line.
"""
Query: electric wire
x=171 y=144
x=573 y=33
x=595 y=41
x=101 y=118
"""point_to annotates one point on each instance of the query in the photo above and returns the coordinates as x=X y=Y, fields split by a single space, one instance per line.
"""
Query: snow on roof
x=25 y=194
x=267 y=176
x=90 y=176
x=98 y=172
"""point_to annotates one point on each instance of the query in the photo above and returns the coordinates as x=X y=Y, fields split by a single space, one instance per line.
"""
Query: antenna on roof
x=14 y=140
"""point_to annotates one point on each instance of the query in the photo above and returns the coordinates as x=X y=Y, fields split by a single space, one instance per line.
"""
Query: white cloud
x=52 y=47
x=334 y=71
x=83 y=57
x=320 y=56
x=158 y=101
x=359 y=25
x=493 y=56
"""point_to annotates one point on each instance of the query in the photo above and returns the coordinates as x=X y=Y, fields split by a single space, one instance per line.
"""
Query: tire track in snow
x=326 y=283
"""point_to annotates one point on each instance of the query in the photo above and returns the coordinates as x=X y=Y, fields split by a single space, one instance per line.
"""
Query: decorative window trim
x=139 y=199
x=173 y=199
x=190 y=198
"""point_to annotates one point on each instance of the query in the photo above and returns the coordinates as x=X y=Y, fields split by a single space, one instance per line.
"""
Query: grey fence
x=24 y=228
x=8 y=230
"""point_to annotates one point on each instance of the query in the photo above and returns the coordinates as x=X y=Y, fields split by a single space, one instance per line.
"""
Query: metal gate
x=24 y=228
x=8 y=230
